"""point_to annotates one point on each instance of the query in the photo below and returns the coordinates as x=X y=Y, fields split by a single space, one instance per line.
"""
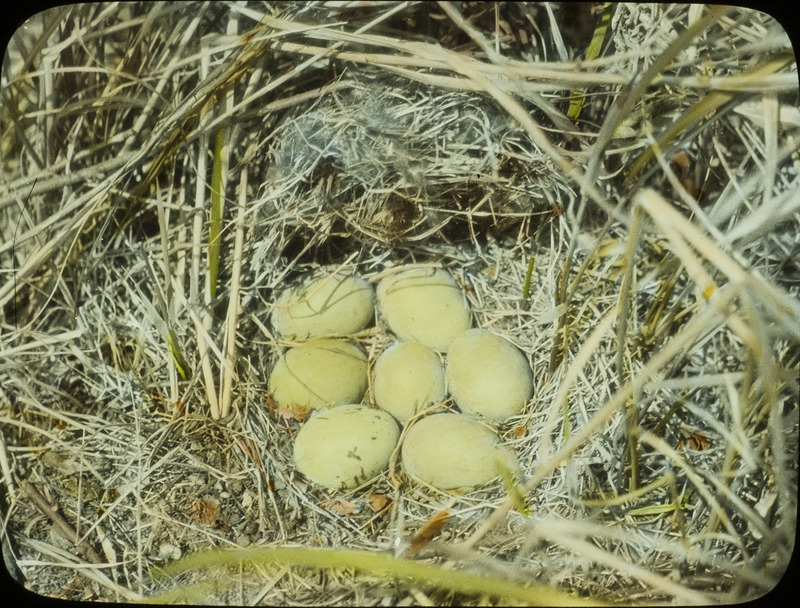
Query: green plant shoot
x=177 y=356
x=526 y=286
x=669 y=507
x=512 y=485
x=377 y=564
x=577 y=97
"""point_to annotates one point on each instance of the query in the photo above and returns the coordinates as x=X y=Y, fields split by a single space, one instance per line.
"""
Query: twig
x=60 y=524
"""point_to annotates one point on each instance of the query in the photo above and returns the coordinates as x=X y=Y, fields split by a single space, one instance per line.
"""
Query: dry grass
x=660 y=447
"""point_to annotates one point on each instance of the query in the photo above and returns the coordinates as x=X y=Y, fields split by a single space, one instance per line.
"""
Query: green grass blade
x=526 y=287
x=381 y=565
x=577 y=97
x=177 y=356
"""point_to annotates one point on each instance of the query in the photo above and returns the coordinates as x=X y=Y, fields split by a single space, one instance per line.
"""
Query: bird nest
x=612 y=187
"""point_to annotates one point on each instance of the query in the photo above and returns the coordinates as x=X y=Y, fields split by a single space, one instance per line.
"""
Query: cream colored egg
x=450 y=451
x=407 y=378
x=345 y=446
x=335 y=305
x=424 y=305
x=319 y=373
x=488 y=375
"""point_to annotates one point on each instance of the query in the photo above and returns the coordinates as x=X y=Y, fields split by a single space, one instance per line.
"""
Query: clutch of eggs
x=345 y=443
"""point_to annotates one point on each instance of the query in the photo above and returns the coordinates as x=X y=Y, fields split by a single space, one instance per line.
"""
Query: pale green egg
x=345 y=446
x=335 y=305
x=407 y=378
x=488 y=375
x=319 y=373
x=451 y=451
x=424 y=305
